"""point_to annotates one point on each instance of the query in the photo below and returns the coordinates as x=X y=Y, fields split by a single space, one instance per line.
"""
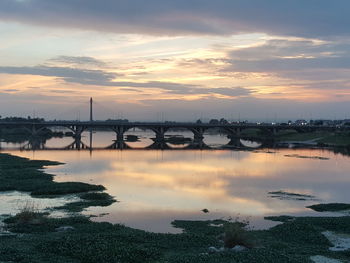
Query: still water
x=155 y=187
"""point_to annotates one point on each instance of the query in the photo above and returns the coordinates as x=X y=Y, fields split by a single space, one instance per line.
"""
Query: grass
x=331 y=207
x=90 y=242
x=29 y=214
x=88 y=200
x=321 y=137
x=21 y=174
x=282 y=218
x=96 y=197
x=236 y=234
x=337 y=139
x=294 y=136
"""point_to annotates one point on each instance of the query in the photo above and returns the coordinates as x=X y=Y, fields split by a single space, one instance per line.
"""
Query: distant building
x=300 y=122
x=323 y=122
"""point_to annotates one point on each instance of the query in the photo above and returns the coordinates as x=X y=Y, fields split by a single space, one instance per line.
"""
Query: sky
x=177 y=60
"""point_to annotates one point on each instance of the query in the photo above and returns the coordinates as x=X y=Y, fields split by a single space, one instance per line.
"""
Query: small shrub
x=236 y=234
x=29 y=214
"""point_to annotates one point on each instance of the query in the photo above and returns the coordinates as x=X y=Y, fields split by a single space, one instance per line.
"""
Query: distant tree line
x=21 y=119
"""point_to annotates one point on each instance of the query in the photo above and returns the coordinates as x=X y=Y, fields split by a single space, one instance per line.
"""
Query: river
x=154 y=187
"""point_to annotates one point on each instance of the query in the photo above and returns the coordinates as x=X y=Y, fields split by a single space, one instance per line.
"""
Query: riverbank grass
x=21 y=174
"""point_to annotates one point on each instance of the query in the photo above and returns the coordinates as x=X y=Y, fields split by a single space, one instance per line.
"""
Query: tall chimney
x=91 y=110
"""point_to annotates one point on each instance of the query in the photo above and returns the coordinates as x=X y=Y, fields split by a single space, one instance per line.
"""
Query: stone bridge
x=233 y=130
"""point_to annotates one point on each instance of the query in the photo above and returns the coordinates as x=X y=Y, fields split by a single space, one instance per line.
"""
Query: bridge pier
x=33 y=131
x=160 y=134
x=118 y=145
x=233 y=133
x=36 y=143
x=77 y=145
x=77 y=130
x=238 y=132
x=234 y=141
x=120 y=137
x=120 y=131
x=77 y=142
x=198 y=136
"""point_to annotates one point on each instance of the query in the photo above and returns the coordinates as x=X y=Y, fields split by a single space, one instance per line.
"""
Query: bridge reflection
x=233 y=131
x=37 y=143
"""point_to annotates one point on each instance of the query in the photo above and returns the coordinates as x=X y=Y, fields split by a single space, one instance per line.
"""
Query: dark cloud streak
x=312 y=18
x=106 y=79
x=75 y=75
x=78 y=61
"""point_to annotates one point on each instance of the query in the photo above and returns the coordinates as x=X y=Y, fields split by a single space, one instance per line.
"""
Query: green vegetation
x=21 y=174
x=293 y=241
x=331 y=207
x=306 y=157
x=337 y=139
x=20 y=135
x=28 y=215
x=88 y=200
x=292 y=135
x=283 y=218
x=320 y=137
x=40 y=239
x=236 y=234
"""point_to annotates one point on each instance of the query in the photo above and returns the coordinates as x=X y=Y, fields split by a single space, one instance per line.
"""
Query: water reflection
x=145 y=139
x=155 y=187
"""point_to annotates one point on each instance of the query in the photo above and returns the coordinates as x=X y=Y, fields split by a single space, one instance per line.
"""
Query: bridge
x=233 y=130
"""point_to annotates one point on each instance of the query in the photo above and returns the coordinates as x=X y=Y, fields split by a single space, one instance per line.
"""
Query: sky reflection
x=159 y=186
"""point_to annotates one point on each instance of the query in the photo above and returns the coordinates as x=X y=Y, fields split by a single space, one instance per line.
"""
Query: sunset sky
x=175 y=59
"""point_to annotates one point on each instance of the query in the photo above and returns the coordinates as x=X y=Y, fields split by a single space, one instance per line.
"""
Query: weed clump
x=235 y=233
x=282 y=218
x=88 y=200
x=28 y=214
x=96 y=196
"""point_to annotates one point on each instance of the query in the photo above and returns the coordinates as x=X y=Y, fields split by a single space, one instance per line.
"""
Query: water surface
x=154 y=187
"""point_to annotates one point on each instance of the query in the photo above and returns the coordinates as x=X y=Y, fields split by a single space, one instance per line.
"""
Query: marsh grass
x=29 y=214
x=236 y=233
x=88 y=200
x=21 y=174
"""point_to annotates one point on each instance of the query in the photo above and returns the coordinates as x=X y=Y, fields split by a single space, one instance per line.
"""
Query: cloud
x=75 y=75
x=63 y=91
x=92 y=77
x=293 y=59
x=312 y=18
x=78 y=61
x=286 y=64
x=103 y=78
x=231 y=92
x=11 y=90
x=185 y=89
